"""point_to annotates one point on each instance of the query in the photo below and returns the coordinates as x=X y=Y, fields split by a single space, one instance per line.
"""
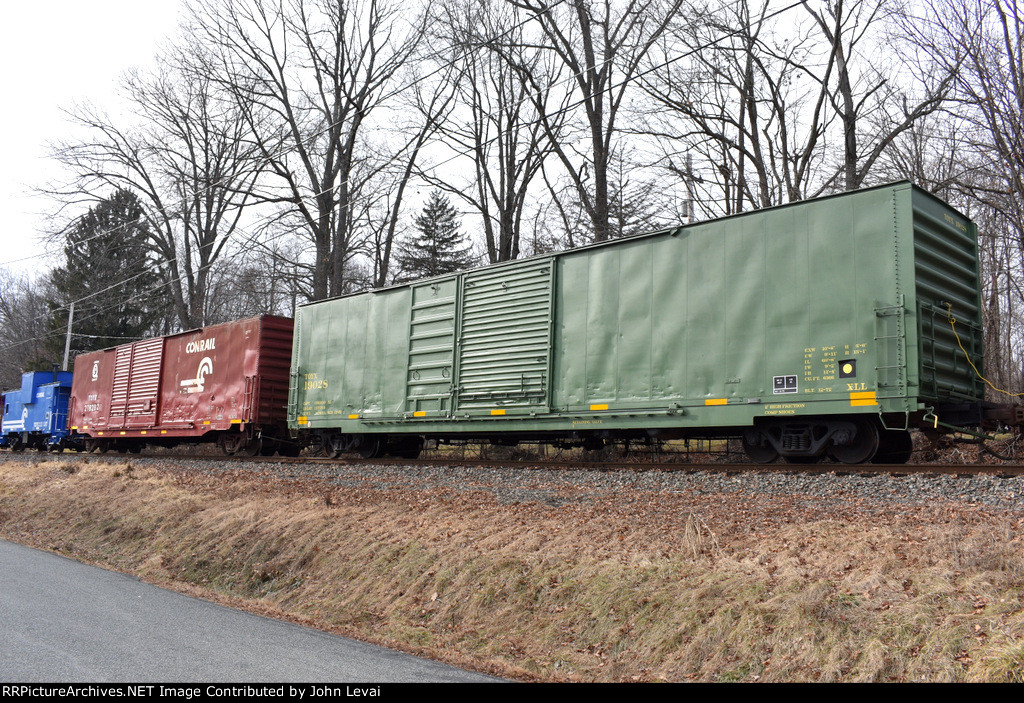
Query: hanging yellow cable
x=952 y=324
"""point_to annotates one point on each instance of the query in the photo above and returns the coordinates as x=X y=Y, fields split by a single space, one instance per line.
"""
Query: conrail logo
x=198 y=384
x=201 y=346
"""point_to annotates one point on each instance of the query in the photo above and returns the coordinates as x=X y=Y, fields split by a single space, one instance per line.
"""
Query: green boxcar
x=820 y=327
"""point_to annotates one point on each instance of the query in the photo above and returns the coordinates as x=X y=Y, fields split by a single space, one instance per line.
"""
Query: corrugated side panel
x=431 y=347
x=946 y=269
x=136 y=386
x=119 y=391
x=144 y=382
x=505 y=336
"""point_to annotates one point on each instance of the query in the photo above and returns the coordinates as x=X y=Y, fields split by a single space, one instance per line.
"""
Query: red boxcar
x=225 y=383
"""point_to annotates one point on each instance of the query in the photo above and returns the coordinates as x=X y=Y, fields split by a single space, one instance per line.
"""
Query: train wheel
x=231 y=444
x=371 y=446
x=757 y=449
x=95 y=445
x=861 y=447
x=250 y=448
x=329 y=449
x=895 y=447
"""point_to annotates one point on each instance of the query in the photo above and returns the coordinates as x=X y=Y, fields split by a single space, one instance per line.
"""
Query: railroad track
x=622 y=465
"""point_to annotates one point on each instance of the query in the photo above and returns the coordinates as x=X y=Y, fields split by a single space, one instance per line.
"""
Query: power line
x=285 y=149
x=564 y=110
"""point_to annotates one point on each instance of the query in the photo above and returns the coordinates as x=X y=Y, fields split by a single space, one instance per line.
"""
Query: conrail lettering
x=201 y=346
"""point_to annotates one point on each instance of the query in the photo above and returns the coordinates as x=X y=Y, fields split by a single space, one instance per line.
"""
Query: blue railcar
x=35 y=415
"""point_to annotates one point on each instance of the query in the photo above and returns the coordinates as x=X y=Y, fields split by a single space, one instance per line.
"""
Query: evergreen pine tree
x=438 y=247
x=111 y=277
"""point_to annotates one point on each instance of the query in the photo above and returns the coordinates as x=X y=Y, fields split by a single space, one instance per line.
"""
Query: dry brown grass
x=674 y=587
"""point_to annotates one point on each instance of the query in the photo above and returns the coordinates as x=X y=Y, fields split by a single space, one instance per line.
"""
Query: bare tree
x=936 y=153
x=189 y=160
x=873 y=108
x=981 y=42
x=24 y=317
x=427 y=107
x=732 y=81
x=308 y=74
x=255 y=281
x=497 y=125
x=602 y=45
x=774 y=109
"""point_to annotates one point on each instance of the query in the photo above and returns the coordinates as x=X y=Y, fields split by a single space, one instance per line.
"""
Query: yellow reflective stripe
x=863 y=398
x=716 y=401
x=420 y=413
x=353 y=417
x=600 y=406
x=498 y=412
x=303 y=420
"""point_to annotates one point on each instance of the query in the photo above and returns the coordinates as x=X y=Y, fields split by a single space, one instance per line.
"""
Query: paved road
x=62 y=621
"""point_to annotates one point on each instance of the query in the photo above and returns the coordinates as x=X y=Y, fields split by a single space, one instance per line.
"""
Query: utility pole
x=67 y=339
x=689 y=188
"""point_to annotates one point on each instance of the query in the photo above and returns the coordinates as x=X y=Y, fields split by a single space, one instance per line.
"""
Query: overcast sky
x=56 y=54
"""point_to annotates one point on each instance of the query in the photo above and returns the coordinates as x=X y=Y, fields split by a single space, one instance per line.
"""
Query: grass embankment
x=639 y=587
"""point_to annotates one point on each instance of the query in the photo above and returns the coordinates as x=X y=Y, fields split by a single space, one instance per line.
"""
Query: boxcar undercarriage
x=848 y=440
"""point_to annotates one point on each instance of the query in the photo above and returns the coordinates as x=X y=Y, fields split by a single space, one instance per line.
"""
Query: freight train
x=825 y=328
